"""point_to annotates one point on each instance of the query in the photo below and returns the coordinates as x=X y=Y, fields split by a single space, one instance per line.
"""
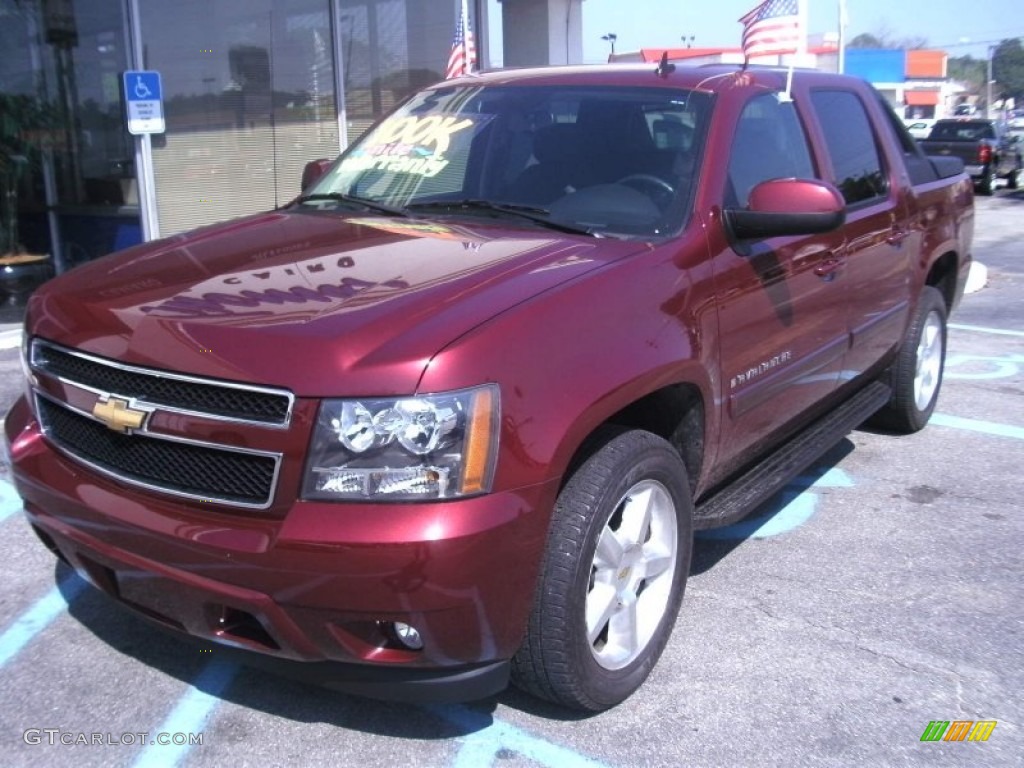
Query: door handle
x=827 y=268
x=897 y=236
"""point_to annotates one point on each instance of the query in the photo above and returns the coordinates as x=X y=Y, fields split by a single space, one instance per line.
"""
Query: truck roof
x=708 y=77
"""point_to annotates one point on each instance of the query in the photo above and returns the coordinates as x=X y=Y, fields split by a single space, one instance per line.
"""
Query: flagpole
x=801 y=47
x=842 y=36
x=465 y=36
x=801 y=40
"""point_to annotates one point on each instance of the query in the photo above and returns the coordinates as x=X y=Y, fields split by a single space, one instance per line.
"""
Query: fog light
x=408 y=636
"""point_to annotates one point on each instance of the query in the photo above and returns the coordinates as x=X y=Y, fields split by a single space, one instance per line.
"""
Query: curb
x=10 y=338
x=977 y=278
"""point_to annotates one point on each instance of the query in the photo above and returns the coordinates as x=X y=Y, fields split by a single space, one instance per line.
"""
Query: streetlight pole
x=611 y=37
x=988 y=83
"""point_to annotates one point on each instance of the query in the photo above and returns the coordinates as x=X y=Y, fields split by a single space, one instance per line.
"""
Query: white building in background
x=915 y=82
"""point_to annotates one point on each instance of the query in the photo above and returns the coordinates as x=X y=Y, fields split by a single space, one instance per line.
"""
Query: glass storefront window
x=249 y=98
x=250 y=91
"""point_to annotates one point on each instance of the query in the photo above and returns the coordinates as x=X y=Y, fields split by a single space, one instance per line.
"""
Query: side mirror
x=782 y=207
x=313 y=170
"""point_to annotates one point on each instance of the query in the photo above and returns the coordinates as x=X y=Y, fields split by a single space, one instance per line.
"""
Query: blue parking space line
x=976 y=425
x=485 y=748
x=38 y=617
x=983 y=329
x=487 y=742
x=10 y=501
x=189 y=716
x=796 y=505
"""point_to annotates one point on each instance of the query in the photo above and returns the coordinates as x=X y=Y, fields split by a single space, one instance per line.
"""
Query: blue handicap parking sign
x=144 y=101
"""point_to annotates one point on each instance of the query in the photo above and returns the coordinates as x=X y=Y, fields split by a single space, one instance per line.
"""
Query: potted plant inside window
x=25 y=124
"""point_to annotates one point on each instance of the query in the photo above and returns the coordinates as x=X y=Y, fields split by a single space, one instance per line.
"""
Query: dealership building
x=250 y=90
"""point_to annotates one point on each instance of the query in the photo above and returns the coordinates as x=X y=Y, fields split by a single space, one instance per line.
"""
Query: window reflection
x=249 y=99
x=63 y=120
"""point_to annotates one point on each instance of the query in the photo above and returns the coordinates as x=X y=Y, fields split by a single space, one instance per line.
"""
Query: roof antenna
x=664 y=68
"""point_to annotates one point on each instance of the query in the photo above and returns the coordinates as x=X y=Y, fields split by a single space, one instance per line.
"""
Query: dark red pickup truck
x=455 y=412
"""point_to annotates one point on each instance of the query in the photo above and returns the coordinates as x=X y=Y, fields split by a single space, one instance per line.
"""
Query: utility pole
x=988 y=83
x=842 y=36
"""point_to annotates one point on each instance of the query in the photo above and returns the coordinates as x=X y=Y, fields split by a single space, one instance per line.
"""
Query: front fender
x=569 y=359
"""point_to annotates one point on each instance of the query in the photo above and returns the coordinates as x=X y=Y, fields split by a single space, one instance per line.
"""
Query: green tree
x=969 y=71
x=26 y=125
x=884 y=39
x=1008 y=69
x=866 y=40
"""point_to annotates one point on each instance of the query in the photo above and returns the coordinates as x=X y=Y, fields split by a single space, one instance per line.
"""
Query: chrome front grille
x=172 y=464
x=164 y=389
x=180 y=468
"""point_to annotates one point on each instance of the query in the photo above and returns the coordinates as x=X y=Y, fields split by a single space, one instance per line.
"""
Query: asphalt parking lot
x=881 y=592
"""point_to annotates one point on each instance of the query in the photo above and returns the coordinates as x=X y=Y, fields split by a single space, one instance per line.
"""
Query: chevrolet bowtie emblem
x=117 y=415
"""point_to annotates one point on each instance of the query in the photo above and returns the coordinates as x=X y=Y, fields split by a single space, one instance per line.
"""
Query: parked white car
x=919 y=128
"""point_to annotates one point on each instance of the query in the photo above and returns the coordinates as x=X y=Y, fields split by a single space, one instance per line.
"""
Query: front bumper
x=319 y=589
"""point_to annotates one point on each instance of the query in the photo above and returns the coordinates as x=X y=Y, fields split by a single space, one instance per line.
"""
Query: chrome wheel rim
x=929 y=362
x=631 y=575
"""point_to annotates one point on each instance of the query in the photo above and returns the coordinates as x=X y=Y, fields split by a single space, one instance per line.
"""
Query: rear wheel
x=987 y=181
x=613 y=575
x=1014 y=178
x=916 y=374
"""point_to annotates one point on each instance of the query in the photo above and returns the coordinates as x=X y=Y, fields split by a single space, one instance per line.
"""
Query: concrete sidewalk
x=12 y=314
x=10 y=335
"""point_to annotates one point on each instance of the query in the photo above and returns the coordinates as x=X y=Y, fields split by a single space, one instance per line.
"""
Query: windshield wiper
x=531 y=212
x=362 y=202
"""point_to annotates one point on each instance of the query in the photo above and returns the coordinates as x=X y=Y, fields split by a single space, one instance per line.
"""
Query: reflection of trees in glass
x=27 y=128
x=405 y=81
x=968 y=71
x=1008 y=69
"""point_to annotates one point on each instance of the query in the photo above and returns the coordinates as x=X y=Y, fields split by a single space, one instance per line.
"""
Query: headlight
x=426 y=447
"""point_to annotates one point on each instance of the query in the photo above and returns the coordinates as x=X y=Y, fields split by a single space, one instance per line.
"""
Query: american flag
x=772 y=27
x=462 y=59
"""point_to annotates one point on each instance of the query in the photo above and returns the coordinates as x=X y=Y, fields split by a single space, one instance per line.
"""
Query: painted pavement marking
x=38 y=617
x=983 y=329
x=491 y=741
x=798 y=503
x=976 y=425
x=189 y=715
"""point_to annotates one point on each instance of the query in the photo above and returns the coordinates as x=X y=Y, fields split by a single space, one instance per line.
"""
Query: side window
x=918 y=167
x=769 y=144
x=851 y=144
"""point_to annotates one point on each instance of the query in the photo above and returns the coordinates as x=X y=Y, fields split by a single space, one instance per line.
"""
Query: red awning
x=921 y=98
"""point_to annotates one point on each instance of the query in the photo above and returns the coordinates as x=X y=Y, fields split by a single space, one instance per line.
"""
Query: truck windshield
x=601 y=160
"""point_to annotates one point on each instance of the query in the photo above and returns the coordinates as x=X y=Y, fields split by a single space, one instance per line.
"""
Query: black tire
x=634 y=484
x=916 y=374
x=987 y=181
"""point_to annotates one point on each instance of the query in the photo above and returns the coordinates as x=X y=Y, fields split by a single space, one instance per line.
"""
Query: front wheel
x=916 y=374
x=613 y=575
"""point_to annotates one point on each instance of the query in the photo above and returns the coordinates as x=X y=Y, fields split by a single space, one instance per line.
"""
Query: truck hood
x=320 y=304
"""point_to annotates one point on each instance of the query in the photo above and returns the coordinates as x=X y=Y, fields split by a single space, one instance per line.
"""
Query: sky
x=960 y=27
